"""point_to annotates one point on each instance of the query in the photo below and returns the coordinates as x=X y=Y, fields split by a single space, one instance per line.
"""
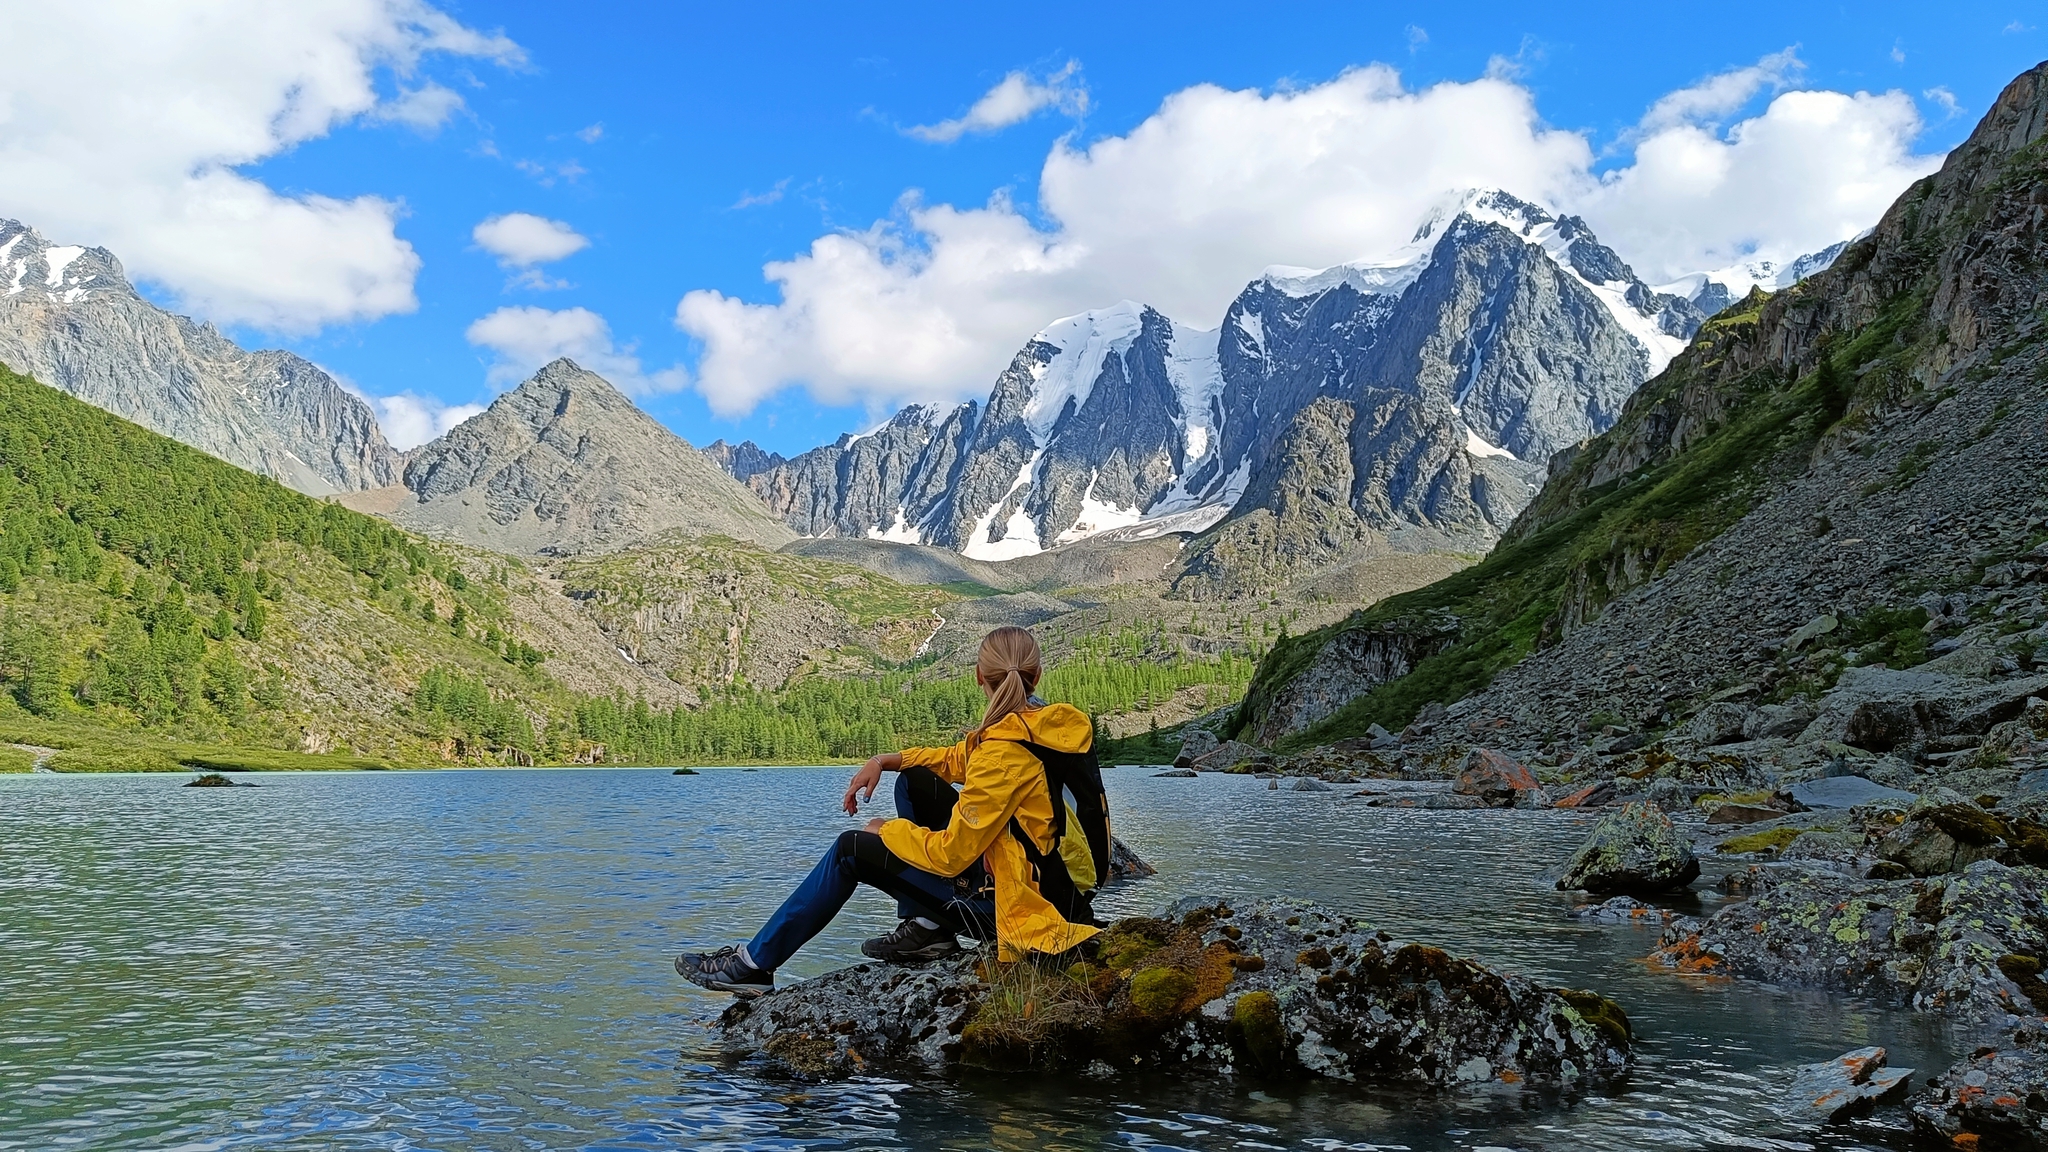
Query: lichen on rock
x=1277 y=989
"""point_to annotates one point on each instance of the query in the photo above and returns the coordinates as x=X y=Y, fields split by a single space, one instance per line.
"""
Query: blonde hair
x=1008 y=666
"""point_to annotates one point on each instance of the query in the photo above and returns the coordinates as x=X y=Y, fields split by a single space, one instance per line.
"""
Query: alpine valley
x=1755 y=563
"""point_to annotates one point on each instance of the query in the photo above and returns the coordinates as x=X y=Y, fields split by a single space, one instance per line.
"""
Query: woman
x=930 y=857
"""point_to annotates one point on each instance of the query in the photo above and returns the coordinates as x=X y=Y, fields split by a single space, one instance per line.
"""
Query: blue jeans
x=858 y=858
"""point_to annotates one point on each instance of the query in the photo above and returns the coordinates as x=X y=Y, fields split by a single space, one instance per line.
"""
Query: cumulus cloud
x=521 y=239
x=410 y=420
x=1181 y=211
x=423 y=109
x=1014 y=99
x=126 y=123
x=522 y=339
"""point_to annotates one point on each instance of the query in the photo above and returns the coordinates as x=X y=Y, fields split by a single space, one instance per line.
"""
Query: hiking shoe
x=909 y=943
x=724 y=971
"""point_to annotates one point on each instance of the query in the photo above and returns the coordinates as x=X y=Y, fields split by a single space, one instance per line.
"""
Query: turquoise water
x=480 y=960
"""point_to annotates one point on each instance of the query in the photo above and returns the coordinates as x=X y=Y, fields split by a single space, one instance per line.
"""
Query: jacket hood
x=1061 y=727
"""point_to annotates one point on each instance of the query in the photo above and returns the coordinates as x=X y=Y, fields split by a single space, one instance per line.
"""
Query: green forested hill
x=159 y=607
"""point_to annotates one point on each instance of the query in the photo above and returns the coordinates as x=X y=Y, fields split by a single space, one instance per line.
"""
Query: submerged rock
x=1969 y=946
x=1848 y=1084
x=1175 y=774
x=1632 y=851
x=1846 y=792
x=1279 y=989
x=1621 y=910
x=216 y=780
x=1995 y=1098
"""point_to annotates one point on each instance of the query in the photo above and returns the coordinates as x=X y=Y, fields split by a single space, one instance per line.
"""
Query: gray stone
x=1846 y=792
x=1718 y=724
x=1310 y=784
x=1632 y=851
x=1197 y=743
x=1845 y=1086
x=1175 y=774
x=1774 y=720
x=1881 y=708
x=1995 y=1098
x=1811 y=630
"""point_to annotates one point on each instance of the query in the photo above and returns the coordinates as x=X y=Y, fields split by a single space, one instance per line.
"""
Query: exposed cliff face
x=564 y=464
x=70 y=318
x=1857 y=446
x=1500 y=335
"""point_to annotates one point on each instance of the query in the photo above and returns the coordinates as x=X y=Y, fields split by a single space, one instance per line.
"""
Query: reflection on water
x=480 y=960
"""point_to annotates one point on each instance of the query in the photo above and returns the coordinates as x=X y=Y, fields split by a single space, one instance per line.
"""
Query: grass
x=1772 y=840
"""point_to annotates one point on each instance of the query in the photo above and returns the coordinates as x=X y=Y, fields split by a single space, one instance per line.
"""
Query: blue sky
x=690 y=145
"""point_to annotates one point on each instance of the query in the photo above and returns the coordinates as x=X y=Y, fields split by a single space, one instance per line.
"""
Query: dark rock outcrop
x=1996 y=1098
x=1497 y=781
x=1275 y=989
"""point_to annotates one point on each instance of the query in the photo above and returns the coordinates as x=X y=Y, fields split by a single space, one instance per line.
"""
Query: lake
x=480 y=960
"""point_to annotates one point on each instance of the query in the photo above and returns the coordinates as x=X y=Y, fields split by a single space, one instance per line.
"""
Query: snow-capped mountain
x=70 y=318
x=1713 y=291
x=1499 y=335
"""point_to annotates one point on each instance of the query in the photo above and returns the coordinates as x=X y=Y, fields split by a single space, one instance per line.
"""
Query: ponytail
x=1008 y=666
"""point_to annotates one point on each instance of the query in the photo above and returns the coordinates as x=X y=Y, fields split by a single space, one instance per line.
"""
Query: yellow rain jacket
x=1000 y=780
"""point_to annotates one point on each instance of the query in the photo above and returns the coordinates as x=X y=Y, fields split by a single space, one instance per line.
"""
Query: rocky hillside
x=1391 y=402
x=70 y=318
x=566 y=464
x=1846 y=473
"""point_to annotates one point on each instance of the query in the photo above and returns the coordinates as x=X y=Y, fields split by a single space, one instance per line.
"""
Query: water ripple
x=479 y=960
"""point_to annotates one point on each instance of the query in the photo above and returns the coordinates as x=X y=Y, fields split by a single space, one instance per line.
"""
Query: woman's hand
x=868 y=779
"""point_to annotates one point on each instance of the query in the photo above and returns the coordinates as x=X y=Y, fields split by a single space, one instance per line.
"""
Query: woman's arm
x=869 y=778
x=989 y=795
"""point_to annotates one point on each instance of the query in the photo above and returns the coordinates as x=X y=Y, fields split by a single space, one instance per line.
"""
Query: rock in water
x=1125 y=864
x=1175 y=774
x=1199 y=742
x=1844 y=1086
x=1279 y=988
x=1310 y=784
x=1634 y=851
x=1969 y=946
x=1996 y=1098
x=1494 y=778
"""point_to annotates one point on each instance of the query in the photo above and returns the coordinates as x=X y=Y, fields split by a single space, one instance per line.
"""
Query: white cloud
x=423 y=109
x=125 y=123
x=1180 y=212
x=762 y=199
x=591 y=134
x=1723 y=93
x=410 y=420
x=521 y=239
x=522 y=339
x=1418 y=38
x=1944 y=100
x=1014 y=99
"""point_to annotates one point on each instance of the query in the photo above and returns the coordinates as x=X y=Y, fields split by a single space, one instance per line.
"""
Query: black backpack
x=1078 y=774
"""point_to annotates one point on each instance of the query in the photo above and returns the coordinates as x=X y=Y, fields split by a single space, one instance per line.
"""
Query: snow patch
x=1388 y=277
x=60 y=258
x=1097 y=516
x=901 y=532
x=1476 y=445
x=1769 y=273
x=1197 y=378
x=1084 y=342
x=1020 y=535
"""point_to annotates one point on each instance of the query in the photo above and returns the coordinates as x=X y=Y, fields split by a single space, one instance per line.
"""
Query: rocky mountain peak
x=70 y=318
x=566 y=463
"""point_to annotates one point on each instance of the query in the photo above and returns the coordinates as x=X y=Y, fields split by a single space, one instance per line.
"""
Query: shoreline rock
x=1633 y=851
x=1279 y=989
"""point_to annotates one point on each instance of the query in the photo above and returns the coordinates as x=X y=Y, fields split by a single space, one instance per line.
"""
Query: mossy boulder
x=1633 y=851
x=1275 y=989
